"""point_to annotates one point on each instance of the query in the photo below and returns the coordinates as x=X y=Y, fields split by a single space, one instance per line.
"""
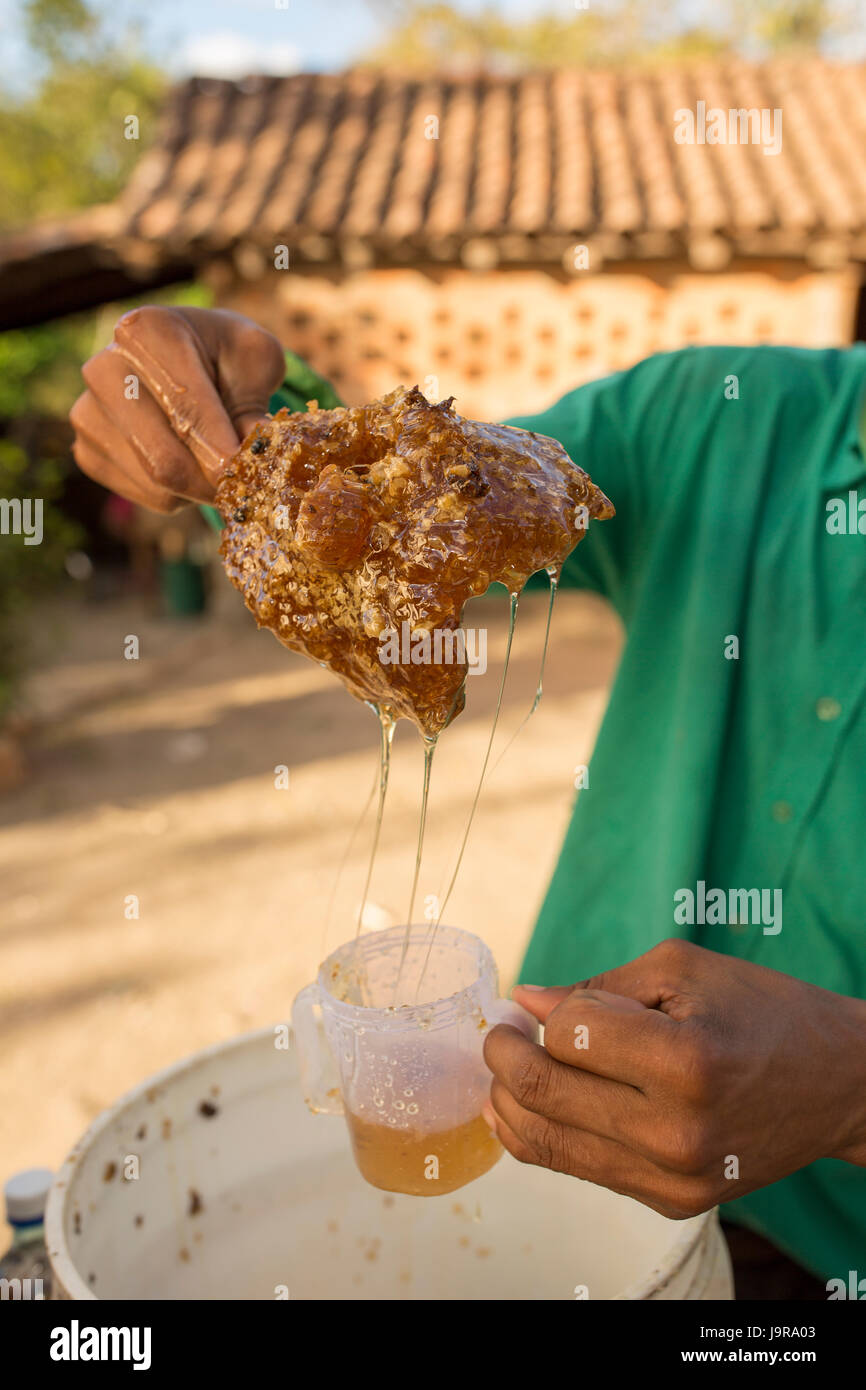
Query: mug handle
x=320 y=1078
x=507 y=1011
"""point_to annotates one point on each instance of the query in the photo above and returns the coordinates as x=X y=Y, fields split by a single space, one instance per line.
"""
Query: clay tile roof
x=320 y=162
x=567 y=152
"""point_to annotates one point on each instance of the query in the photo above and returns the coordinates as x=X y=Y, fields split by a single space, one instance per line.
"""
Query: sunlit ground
x=155 y=779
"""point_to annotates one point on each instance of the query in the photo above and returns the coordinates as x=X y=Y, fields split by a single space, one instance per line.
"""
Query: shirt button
x=781 y=811
x=827 y=708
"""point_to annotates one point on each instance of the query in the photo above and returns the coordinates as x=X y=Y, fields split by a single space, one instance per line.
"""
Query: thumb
x=541 y=1002
x=538 y=1000
x=246 y=361
x=246 y=422
x=250 y=367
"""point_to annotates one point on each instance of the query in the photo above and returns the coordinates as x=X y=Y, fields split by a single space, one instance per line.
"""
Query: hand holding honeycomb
x=344 y=525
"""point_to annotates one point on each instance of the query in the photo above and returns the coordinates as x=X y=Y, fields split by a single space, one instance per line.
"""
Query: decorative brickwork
x=514 y=340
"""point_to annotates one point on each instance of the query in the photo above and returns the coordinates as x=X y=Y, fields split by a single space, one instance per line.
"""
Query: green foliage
x=434 y=36
x=40 y=367
x=27 y=571
x=426 y=36
x=54 y=26
x=791 y=26
x=62 y=147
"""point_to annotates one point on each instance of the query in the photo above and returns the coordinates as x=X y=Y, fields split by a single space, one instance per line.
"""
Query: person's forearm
x=851 y=1064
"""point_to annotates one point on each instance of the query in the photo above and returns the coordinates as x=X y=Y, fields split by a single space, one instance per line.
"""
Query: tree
x=438 y=36
x=62 y=147
x=785 y=26
x=62 y=144
x=427 y=36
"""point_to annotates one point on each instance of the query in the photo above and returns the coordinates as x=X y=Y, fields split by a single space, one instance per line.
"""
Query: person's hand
x=170 y=400
x=683 y=1079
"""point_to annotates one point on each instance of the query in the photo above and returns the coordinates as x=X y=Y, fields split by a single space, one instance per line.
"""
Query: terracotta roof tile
x=449 y=208
x=493 y=162
x=573 y=178
x=650 y=142
x=266 y=156
x=533 y=158
x=740 y=169
x=332 y=160
x=791 y=202
x=573 y=153
x=841 y=113
x=305 y=158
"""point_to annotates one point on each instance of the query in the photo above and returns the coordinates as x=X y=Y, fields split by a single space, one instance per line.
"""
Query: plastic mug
x=409 y=1076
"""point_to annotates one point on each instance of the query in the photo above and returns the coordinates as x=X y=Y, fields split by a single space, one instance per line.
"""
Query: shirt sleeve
x=301 y=384
x=585 y=423
x=619 y=430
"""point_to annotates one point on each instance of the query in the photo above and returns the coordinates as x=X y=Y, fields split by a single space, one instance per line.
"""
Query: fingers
x=542 y=1002
x=538 y=1086
x=148 y=339
x=607 y=1034
x=553 y=1144
x=549 y=1144
x=653 y=979
x=98 y=466
x=250 y=364
x=625 y=1090
x=247 y=421
x=171 y=399
x=611 y=1036
x=135 y=433
x=515 y=1016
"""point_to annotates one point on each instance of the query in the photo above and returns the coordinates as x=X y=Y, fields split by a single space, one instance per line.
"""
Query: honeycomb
x=347 y=529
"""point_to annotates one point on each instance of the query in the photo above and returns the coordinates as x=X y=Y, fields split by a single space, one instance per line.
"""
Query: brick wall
x=511 y=341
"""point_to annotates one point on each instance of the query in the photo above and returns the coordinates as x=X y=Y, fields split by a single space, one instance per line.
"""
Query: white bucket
x=242 y=1193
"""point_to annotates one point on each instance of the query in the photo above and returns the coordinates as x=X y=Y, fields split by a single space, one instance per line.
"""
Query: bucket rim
x=74 y=1287
x=695 y=1230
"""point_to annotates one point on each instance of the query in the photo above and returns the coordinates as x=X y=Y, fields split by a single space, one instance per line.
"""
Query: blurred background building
x=486 y=199
x=503 y=238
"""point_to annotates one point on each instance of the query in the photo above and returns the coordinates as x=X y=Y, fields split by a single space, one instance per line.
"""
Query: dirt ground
x=155 y=778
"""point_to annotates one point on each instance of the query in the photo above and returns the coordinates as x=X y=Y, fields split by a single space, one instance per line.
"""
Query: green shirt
x=743 y=772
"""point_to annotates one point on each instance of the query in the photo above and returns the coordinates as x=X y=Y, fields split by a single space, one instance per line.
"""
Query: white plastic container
x=242 y=1193
x=410 y=1081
